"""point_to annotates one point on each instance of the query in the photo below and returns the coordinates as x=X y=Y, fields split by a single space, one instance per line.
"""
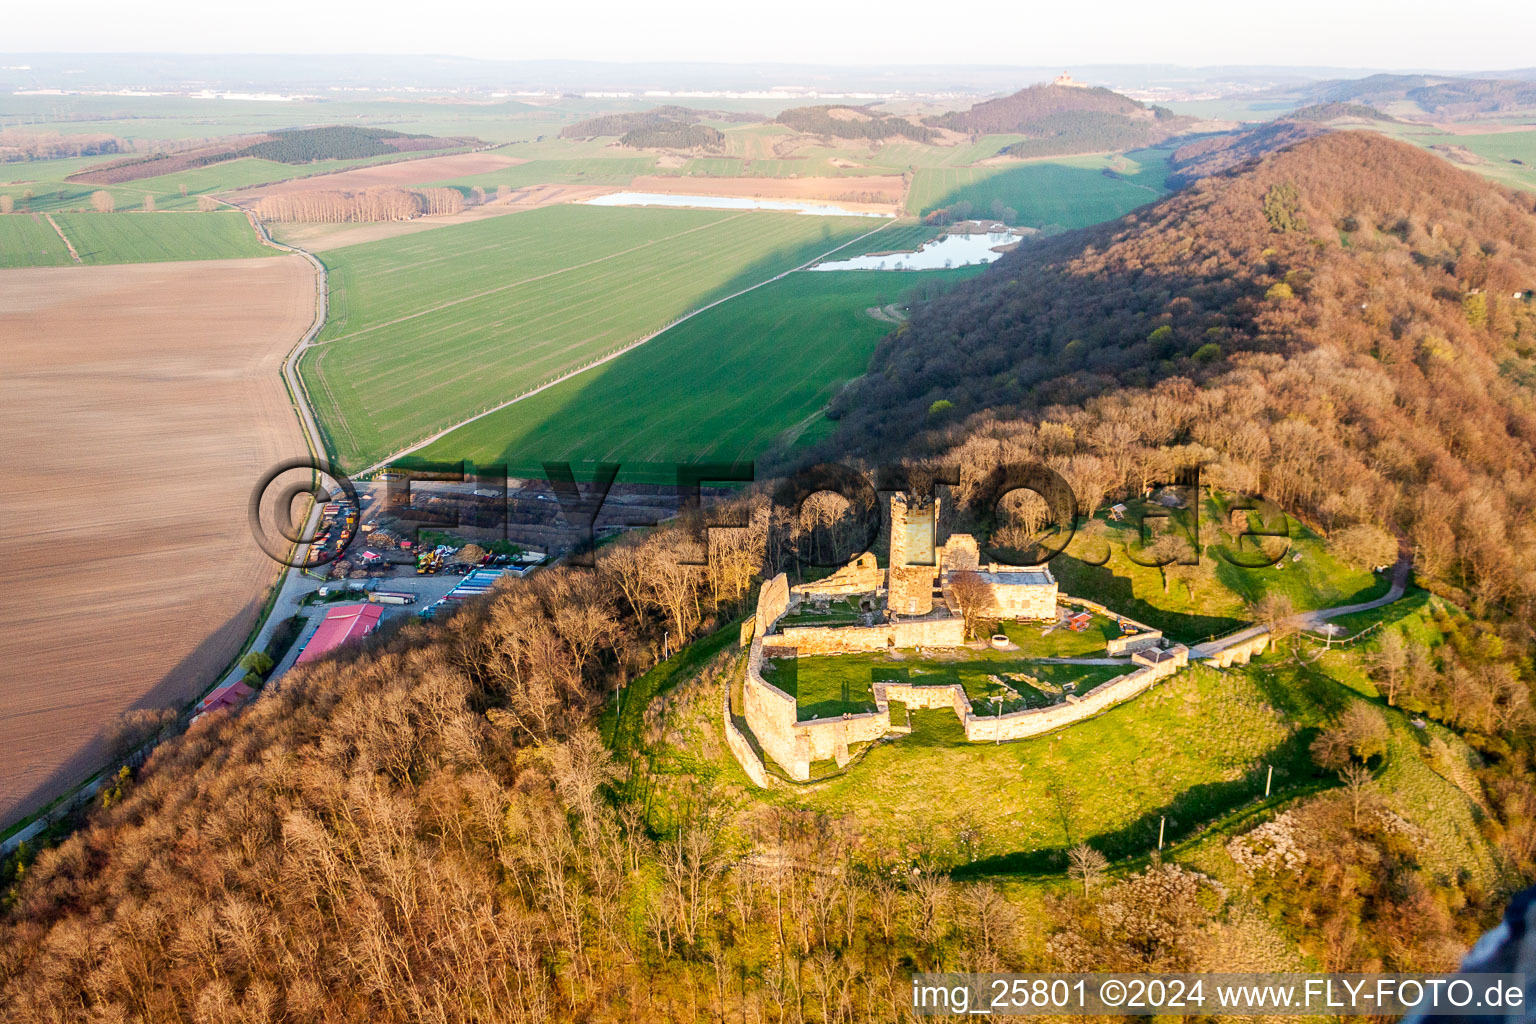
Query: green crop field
x=896 y=238
x=1507 y=157
x=30 y=241
x=428 y=329
x=157 y=237
x=1059 y=193
x=725 y=385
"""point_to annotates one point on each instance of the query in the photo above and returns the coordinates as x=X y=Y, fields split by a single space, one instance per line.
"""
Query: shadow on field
x=177 y=688
x=1186 y=814
x=640 y=390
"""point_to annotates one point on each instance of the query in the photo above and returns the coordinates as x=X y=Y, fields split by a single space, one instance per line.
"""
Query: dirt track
x=140 y=405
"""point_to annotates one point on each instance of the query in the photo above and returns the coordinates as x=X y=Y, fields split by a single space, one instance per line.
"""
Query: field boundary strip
x=63 y=238
x=527 y=280
x=417 y=446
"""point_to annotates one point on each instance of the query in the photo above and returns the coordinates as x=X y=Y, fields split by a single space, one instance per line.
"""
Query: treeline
x=854 y=123
x=1334 y=111
x=335 y=142
x=374 y=204
x=673 y=135
x=25 y=145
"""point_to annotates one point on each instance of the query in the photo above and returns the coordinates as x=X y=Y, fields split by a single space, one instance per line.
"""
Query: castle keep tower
x=913 y=564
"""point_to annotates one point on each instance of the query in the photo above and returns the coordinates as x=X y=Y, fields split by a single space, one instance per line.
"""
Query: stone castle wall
x=1034 y=721
x=773 y=715
x=862 y=575
x=772 y=603
x=935 y=632
x=1240 y=653
x=740 y=745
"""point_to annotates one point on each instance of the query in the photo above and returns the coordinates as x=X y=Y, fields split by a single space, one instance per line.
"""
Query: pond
x=809 y=209
x=939 y=254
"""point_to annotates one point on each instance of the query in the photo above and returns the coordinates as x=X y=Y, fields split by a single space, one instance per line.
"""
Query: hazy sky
x=1477 y=34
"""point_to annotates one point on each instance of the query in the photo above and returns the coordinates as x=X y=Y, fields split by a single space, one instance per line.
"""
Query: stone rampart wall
x=1034 y=721
x=936 y=632
x=1240 y=653
x=740 y=746
x=771 y=714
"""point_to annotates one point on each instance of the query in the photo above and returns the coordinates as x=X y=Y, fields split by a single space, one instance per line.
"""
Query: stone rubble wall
x=772 y=603
x=863 y=575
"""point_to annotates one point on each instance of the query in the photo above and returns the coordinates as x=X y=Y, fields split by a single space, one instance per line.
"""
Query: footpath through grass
x=1192 y=603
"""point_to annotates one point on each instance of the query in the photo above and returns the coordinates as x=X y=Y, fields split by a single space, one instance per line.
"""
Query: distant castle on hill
x=1068 y=82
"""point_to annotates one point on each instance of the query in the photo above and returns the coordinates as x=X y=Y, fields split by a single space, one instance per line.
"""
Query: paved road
x=1312 y=620
x=295 y=585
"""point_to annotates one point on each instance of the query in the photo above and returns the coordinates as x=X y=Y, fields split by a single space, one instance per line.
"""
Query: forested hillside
x=449 y=827
x=1213 y=154
x=845 y=122
x=1065 y=119
x=1347 y=326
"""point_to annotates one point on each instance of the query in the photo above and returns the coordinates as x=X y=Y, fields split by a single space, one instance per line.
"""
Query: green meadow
x=1054 y=194
x=158 y=237
x=29 y=241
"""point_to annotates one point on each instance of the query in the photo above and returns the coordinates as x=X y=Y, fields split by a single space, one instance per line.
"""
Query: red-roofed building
x=229 y=695
x=343 y=624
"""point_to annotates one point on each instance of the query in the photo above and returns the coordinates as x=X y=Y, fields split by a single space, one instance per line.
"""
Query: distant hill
x=845 y=122
x=1061 y=119
x=1337 y=112
x=1216 y=154
x=1439 y=96
x=641 y=120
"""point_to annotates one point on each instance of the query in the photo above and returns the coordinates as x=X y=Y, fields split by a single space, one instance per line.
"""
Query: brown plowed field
x=873 y=190
x=397 y=174
x=139 y=404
